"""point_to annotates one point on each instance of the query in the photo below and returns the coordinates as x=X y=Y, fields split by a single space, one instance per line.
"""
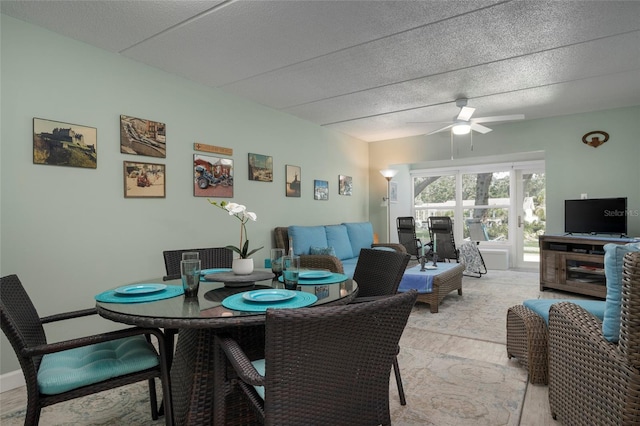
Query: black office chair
x=61 y=371
x=407 y=236
x=441 y=233
x=327 y=365
x=215 y=257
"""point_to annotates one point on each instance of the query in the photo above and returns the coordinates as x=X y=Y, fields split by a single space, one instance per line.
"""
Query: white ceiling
x=368 y=68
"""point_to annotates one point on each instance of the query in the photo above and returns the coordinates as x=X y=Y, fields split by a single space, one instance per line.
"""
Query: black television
x=596 y=216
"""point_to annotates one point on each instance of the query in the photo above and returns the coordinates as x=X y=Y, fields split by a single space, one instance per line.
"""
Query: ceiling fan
x=463 y=123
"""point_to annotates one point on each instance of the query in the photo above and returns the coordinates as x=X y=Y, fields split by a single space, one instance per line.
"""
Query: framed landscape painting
x=260 y=167
x=212 y=176
x=142 y=137
x=144 y=180
x=293 y=181
x=346 y=185
x=320 y=190
x=64 y=144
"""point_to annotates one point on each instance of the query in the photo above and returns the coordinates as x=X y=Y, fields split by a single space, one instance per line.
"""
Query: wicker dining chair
x=593 y=381
x=378 y=274
x=57 y=372
x=215 y=257
x=322 y=366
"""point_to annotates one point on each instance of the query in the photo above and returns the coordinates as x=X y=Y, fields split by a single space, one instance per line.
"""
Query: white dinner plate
x=138 y=289
x=268 y=295
x=314 y=275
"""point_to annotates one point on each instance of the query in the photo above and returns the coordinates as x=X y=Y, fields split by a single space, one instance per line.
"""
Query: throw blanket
x=422 y=281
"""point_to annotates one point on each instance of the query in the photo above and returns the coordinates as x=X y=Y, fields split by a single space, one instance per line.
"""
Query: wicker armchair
x=591 y=380
x=106 y=356
x=378 y=274
x=322 y=366
x=216 y=257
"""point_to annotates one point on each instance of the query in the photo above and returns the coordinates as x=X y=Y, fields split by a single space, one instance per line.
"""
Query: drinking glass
x=290 y=271
x=276 y=261
x=190 y=255
x=190 y=272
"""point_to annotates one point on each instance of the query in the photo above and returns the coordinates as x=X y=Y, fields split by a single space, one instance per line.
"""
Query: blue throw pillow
x=338 y=238
x=322 y=250
x=360 y=235
x=613 y=263
x=306 y=236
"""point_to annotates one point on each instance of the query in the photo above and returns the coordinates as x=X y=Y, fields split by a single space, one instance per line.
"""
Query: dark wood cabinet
x=574 y=263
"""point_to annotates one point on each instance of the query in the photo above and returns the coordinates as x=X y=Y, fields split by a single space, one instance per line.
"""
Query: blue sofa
x=333 y=247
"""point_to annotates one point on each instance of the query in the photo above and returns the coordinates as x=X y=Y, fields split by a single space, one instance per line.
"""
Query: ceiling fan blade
x=441 y=130
x=499 y=118
x=480 y=128
x=465 y=113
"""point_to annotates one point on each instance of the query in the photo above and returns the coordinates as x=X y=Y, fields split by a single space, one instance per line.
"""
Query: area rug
x=481 y=312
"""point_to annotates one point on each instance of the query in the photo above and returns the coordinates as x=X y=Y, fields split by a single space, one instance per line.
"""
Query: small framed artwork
x=64 y=144
x=393 y=192
x=144 y=180
x=260 y=167
x=320 y=190
x=345 y=185
x=212 y=176
x=142 y=137
x=293 y=181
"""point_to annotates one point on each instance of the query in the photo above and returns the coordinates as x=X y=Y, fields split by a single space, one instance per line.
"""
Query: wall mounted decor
x=595 y=138
x=142 y=137
x=260 y=167
x=212 y=176
x=197 y=146
x=64 y=144
x=320 y=190
x=393 y=192
x=293 y=174
x=144 y=180
x=345 y=185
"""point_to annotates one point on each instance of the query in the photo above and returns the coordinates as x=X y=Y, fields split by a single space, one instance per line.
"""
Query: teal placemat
x=334 y=278
x=237 y=303
x=110 y=296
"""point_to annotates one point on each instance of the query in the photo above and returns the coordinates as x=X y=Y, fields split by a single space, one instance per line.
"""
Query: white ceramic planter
x=242 y=266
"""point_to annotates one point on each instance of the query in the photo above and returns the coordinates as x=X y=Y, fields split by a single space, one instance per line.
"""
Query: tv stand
x=574 y=263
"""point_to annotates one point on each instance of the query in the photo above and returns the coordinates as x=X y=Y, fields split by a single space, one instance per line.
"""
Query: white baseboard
x=11 y=380
x=497 y=259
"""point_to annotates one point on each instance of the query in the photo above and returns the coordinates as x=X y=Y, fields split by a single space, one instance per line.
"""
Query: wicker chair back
x=216 y=257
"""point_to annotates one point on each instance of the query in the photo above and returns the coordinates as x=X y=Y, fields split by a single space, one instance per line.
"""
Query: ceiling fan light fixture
x=461 y=129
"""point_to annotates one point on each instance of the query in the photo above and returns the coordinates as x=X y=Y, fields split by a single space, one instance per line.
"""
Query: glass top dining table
x=197 y=321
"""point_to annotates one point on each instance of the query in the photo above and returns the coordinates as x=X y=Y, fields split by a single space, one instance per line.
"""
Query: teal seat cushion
x=64 y=371
x=259 y=366
x=338 y=238
x=613 y=263
x=360 y=235
x=541 y=306
x=349 y=266
x=306 y=236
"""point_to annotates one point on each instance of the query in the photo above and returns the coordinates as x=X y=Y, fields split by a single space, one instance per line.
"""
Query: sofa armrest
x=397 y=247
x=321 y=261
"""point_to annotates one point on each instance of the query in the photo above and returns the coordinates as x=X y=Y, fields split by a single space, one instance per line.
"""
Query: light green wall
x=572 y=168
x=69 y=233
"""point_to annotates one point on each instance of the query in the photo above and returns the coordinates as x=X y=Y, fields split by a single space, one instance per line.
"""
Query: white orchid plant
x=241 y=213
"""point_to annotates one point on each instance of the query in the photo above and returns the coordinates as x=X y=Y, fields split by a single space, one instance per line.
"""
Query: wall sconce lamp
x=388 y=175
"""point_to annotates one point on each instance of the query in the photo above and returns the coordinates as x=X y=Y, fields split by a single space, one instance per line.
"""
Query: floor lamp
x=388 y=175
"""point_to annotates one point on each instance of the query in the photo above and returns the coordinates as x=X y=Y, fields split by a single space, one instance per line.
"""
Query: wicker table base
x=527 y=340
x=443 y=284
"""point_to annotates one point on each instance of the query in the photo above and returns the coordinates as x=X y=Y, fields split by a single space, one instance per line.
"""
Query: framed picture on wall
x=260 y=167
x=345 y=185
x=212 y=176
x=142 y=137
x=64 y=144
x=393 y=192
x=320 y=190
x=293 y=181
x=144 y=180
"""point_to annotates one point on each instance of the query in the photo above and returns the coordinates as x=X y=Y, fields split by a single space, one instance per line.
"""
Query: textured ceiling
x=371 y=69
